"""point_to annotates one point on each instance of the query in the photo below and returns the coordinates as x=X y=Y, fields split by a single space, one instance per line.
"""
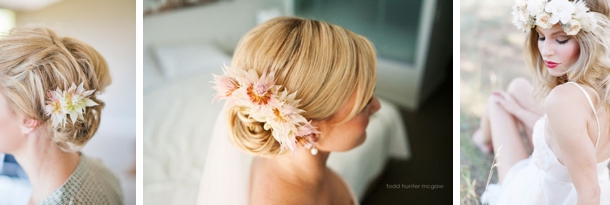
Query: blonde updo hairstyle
x=323 y=63
x=592 y=68
x=34 y=61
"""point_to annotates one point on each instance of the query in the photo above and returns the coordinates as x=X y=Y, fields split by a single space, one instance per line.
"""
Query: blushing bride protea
x=73 y=102
x=265 y=102
x=54 y=108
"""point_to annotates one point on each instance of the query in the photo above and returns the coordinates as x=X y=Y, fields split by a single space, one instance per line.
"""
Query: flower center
x=260 y=89
x=259 y=95
x=56 y=107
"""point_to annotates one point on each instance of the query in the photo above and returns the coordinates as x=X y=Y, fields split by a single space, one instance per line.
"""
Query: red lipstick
x=551 y=64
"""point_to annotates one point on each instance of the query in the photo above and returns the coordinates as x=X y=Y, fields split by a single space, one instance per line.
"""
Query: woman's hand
x=506 y=101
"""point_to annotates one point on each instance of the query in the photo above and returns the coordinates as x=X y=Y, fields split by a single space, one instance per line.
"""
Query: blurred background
x=490 y=57
x=109 y=26
x=409 y=142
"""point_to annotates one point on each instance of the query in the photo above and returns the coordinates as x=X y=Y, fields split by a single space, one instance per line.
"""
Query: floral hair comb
x=71 y=102
x=262 y=99
x=573 y=16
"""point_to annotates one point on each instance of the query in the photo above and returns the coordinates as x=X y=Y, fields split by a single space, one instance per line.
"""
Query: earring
x=314 y=150
x=309 y=142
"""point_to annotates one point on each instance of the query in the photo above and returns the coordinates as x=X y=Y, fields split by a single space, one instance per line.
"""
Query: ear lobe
x=28 y=125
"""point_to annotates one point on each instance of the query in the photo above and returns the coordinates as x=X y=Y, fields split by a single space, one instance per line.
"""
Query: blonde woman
x=49 y=110
x=568 y=51
x=296 y=90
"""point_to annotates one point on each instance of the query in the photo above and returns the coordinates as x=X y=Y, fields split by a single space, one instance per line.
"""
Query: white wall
x=110 y=27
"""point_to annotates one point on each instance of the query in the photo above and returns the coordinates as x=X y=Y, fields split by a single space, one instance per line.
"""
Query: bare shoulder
x=567 y=98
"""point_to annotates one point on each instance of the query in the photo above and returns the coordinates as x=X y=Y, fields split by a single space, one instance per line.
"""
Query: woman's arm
x=568 y=112
x=512 y=106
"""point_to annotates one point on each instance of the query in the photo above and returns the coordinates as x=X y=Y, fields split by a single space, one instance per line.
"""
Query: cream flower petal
x=89 y=102
x=73 y=115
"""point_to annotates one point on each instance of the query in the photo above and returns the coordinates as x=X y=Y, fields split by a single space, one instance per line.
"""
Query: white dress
x=541 y=179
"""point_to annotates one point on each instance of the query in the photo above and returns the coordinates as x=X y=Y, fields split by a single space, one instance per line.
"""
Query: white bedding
x=178 y=119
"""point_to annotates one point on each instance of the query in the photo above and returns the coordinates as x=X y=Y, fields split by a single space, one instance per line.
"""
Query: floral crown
x=262 y=99
x=573 y=16
x=73 y=101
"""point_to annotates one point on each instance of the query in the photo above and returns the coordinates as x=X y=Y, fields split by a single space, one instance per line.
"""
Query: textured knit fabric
x=91 y=183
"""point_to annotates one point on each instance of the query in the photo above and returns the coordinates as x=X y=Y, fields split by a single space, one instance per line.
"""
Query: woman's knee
x=518 y=85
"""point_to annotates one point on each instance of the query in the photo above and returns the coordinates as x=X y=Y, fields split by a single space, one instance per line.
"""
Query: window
x=392 y=25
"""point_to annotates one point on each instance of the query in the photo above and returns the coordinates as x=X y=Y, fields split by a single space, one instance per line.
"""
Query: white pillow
x=152 y=76
x=179 y=61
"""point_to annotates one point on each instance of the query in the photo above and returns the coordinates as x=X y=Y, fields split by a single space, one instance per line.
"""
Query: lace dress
x=541 y=179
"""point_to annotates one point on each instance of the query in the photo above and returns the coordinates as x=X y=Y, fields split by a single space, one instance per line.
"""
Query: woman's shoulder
x=569 y=96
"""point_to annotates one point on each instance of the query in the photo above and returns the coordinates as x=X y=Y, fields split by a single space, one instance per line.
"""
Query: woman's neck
x=47 y=166
x=301 y=166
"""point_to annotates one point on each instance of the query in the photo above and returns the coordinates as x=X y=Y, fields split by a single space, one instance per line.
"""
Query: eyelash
x=558 y=41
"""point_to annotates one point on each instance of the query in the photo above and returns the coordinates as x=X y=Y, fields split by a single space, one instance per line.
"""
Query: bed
x=179 y=117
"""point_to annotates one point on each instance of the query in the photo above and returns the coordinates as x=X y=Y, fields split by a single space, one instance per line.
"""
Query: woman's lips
x=551 y=64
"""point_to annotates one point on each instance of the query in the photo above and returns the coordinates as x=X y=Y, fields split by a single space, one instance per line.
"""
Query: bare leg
x=482 y=136
x=521 y=90
x=505 y=133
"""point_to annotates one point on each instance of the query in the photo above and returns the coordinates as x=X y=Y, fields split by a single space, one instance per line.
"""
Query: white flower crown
x=262 y=99
x=573 y=16
x=73 y=101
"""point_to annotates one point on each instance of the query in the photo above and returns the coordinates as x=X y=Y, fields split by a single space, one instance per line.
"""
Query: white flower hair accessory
x=73 y=102
x=262 y=99
x=573 y=16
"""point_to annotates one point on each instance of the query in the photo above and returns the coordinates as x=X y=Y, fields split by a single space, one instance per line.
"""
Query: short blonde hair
x=592 y=67
x=34 y=61
x=323 y=63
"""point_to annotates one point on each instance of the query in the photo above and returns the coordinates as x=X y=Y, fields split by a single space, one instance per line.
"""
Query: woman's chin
x=555 y=73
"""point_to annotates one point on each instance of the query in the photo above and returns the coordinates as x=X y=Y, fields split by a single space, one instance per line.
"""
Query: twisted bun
x=249 y=135
x=34 y=61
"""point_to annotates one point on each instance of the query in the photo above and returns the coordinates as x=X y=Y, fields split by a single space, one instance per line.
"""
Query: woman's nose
x=546 y=49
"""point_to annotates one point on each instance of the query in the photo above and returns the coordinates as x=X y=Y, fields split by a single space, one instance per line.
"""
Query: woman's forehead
x=555 y=30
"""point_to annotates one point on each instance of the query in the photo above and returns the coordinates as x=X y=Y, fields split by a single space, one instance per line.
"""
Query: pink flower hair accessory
x=266 y=102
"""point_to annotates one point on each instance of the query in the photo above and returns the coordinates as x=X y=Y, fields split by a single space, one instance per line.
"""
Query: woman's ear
x=28 y=125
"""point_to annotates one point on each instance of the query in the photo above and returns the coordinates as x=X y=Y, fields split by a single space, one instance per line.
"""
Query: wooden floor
x=430 y=137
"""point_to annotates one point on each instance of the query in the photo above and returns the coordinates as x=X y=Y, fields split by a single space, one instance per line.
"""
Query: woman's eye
x=563 y=42
x=541 y=38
